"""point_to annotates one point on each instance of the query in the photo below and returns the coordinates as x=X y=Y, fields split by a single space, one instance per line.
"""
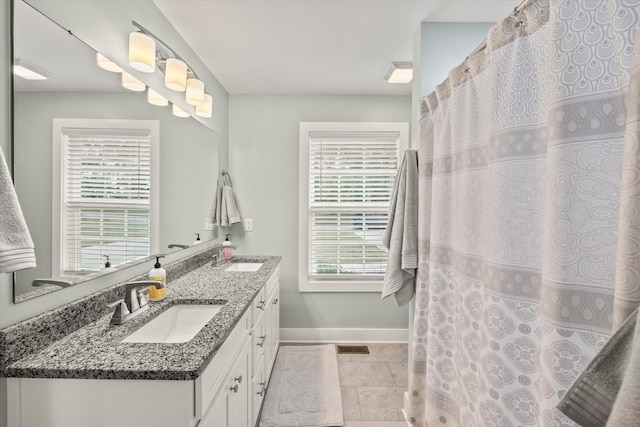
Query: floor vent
x=353 y=349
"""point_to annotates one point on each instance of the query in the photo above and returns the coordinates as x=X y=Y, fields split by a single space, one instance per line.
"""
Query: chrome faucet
x=217 y=256
x=134 y=301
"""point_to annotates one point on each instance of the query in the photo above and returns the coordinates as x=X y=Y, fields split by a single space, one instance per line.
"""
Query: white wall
x=264 y=139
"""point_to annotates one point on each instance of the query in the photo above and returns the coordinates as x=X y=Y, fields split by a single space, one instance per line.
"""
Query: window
x=104 y=196
x=347 y=173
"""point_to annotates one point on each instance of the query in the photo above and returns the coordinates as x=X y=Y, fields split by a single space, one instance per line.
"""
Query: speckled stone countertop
x=95 y=351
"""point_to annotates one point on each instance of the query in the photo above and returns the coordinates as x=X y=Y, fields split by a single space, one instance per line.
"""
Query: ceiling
x=313 y=46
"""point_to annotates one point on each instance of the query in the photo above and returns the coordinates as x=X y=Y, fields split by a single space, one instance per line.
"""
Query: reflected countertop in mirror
x=77 y=88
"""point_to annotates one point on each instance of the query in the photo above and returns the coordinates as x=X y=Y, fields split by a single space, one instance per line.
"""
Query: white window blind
x=351 y=178
x=106 y=207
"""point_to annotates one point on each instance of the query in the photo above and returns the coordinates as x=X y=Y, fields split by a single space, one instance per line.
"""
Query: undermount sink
x=180 y=323
x=244 y=266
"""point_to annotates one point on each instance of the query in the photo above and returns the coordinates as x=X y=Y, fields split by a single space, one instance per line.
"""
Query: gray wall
x=443 y=46
x=263 y=159
x=105 y=25
x=188 y=162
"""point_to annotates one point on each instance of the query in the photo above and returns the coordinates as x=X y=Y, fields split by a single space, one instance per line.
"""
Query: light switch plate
x=208 y=224
x=248 y=224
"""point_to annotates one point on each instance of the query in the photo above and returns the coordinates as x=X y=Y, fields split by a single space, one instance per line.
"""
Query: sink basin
x=179 y=323
x=244 y=266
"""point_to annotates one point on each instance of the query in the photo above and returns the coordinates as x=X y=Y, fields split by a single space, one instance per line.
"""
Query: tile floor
x=373 y=386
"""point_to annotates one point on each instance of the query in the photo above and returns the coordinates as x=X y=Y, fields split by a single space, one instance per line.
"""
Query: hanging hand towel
x=16 y=246
x=401 y=235
x=224 y=211
x=607 y=392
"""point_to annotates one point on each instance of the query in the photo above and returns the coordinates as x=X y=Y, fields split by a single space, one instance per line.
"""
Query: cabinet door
x=216 y=415
x=239 y=390
x=274 y=328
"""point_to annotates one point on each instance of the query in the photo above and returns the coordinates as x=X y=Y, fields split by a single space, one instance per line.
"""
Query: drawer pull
x=261 y=392
x=275 y=301
x=239 y=379
x=234 y=388
x=261 y=305
x=261 y=343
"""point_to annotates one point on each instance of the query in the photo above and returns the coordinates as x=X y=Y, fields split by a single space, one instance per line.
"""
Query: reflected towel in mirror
x=16 y=246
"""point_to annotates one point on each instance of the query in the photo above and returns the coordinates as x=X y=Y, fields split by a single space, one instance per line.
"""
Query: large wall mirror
x=86 y=107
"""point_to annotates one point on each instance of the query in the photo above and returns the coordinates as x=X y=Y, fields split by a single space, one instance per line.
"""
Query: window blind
x=351 y=178
x=106 y=197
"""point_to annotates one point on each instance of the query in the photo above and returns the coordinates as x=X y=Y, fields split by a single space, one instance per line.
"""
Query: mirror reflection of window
x=105 y=203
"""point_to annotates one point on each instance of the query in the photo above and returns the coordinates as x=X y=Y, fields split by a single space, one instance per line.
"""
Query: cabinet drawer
x=274 y=279
x=259 y=343
x=258 y=306
x=213 y=376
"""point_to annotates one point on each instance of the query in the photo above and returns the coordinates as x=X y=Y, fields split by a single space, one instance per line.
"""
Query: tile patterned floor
x=373 y=386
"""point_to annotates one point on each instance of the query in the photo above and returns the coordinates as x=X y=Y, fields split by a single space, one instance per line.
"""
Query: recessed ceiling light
x=27 y=71
x=399 y=72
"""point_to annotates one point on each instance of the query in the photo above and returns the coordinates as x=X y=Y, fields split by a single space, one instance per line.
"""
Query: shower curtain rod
x=516 y=12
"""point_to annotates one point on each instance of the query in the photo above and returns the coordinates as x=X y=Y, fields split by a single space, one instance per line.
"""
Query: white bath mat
x=304 y=389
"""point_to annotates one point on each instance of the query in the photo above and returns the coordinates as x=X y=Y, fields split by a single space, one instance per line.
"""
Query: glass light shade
x=131 y=83
x=175 y=77
x=206 y=108
x=195 y=92
x=105 y=64
x=179 y=112
x=156 y=99
x=142 y=52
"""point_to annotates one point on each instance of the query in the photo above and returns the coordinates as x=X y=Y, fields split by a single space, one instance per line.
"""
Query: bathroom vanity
x=91 y=377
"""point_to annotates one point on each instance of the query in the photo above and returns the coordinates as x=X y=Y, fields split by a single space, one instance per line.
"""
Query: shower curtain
x=529 y=230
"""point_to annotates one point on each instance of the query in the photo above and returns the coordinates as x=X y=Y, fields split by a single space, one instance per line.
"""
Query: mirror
x=77 y=88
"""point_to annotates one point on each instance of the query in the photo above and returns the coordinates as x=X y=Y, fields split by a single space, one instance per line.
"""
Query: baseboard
x=296 y=335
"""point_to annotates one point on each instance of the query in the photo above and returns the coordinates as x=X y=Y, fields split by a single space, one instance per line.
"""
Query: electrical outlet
x=208 y=224
x=248 y=224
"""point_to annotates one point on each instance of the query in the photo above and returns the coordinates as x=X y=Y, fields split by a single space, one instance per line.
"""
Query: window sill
x=340 y=286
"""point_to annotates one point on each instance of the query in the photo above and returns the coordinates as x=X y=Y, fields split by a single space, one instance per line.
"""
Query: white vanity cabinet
x=228 y=393
x=265 y=339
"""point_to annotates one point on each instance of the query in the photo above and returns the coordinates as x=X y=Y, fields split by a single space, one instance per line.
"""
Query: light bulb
x=206 y=108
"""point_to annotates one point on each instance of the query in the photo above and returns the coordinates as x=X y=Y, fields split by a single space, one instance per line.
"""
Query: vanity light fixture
x=105 y=64
x=142 y=52
x=206 y=108
x=195 y=92
x=399 y=72
x=155 y=98
x=178 y=112
x=27 y=71
x=131 y=83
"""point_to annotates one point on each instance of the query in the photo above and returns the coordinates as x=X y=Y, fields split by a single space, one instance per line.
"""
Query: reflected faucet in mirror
x=177 y=245
x=37 y=283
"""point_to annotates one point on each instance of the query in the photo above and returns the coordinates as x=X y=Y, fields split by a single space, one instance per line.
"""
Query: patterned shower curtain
x=529 y=215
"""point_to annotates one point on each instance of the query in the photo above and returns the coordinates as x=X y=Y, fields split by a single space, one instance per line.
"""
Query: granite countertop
x=95 y=351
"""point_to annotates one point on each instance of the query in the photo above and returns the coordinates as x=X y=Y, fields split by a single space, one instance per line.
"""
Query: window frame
x=351 y=284
x=153 y=126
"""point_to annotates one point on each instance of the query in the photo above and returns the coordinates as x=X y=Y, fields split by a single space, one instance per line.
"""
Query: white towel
x=224 y=211
x=16 y=246
x=607 y=392
x=401 y=235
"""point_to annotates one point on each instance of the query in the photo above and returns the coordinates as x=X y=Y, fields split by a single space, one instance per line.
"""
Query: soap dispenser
x=227 y=248
x=197 y=241
x=107 y=265
x=158 y=274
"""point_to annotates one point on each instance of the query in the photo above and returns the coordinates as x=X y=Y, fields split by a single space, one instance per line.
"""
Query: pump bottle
x=159 y=274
